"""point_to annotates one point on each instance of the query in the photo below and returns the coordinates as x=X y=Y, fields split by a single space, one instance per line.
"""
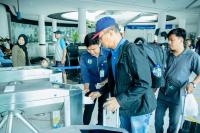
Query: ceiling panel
x=33 y=8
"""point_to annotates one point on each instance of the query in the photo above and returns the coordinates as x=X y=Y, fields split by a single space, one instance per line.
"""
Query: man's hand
x=99 y=85
x=86 y=87
x=112 y=104
x=86 y=90
x=189 y=88
x=63 y=61
x=94 y=95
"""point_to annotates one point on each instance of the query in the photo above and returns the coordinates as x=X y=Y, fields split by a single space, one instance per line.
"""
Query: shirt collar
x=185 y=51
x=101 y=51
x=118 y=45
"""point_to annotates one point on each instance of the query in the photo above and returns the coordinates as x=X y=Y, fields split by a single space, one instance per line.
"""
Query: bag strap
x=164 y=58
x=125 y=56
x=151 y=60
x=125 y=48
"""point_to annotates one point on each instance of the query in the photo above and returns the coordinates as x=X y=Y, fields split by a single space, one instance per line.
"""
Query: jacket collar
x=121 y=50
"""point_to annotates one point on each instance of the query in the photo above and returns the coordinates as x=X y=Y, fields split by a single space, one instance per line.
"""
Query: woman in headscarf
x=19 y=52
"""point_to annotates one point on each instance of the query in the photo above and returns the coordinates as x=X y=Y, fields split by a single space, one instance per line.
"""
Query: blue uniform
x=94 y=70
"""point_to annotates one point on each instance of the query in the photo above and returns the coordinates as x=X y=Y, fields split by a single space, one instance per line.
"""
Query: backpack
x=155 y=55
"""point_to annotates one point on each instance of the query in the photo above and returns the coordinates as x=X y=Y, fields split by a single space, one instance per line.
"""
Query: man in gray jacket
x=181 y=62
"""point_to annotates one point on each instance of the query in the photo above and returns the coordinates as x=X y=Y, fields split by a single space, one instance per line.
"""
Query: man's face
x=105 y=38
x=94 y=50
x=175 y=42
x=57 y=36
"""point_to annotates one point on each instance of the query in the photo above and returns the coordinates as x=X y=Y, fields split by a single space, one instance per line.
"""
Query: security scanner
x=14 y=74
x=28 y=90
x=72 y=72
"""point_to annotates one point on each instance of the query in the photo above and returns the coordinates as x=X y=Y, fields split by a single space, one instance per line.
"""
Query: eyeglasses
x=104 y=33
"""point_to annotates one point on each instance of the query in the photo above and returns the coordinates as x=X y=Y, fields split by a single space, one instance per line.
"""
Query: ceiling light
x=151 y=18
x=90 y=16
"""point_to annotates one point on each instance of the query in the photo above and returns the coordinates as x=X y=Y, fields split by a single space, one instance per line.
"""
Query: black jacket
x=132 y=87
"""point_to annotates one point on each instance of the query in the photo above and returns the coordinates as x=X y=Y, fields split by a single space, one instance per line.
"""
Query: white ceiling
x=32 y=8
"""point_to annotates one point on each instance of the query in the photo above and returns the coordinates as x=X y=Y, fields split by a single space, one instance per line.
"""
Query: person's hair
x=88 y=41
x=140 y=40
x=179 y=32
x=115 y=28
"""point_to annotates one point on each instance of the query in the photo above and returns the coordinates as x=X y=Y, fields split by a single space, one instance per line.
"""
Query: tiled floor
x=43 y=121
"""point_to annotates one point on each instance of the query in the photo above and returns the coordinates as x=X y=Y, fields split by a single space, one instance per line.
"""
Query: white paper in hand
x=98 y=85
x=111 y=119
x=87 y=100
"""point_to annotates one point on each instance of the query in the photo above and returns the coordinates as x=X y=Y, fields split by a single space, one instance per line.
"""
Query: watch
x=194 y=85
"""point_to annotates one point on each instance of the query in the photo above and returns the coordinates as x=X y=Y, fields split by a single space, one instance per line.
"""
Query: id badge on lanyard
x=102 y=73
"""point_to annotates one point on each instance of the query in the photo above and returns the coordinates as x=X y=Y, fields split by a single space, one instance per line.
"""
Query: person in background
x=197 y=48
x=4 y=62
x=129 y=78
x=20 y=53
x=189 y=44
x=45 y=62
x=7 y=48
x=94 y=72
x=140 y=40
x=60 y=53
x=181 y=62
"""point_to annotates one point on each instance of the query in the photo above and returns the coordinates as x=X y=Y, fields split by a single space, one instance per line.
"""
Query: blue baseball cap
x=102 y=24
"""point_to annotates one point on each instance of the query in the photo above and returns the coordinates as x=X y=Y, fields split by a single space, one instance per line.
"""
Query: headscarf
x=23 y=47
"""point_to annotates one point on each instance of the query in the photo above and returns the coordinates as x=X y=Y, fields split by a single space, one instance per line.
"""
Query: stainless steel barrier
x=39 y=96
x=10 y=74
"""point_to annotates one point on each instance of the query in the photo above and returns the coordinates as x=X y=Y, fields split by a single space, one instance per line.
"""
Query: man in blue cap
x=129 y=78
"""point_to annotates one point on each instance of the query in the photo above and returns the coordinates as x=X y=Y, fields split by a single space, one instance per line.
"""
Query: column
x=198 y=28
x=181 y=22
x=54 y=27
x=4 y=32
x=81 y=24
x=161 y=25
x=42 y=38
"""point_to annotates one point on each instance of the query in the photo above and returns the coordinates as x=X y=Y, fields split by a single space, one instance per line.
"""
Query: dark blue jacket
x=132 y=86
x=91 y=67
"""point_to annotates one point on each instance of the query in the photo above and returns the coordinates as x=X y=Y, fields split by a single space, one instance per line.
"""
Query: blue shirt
x=62 y=43
x=178 y=70
x=115 y=53
x=91 y=67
